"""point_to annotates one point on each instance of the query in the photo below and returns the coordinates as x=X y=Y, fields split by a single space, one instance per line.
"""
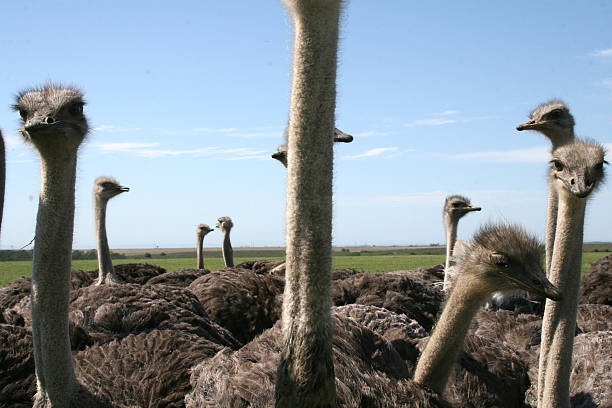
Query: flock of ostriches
x=295 y=333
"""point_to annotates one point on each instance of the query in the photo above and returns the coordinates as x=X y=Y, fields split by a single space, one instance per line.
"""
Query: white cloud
x=13 y=141
x=253 y=135
x=530 y=155
x=373 y=152
x=374 y=133
x=116 y=129
x=150 y=151
x=431 y=122
x=448 y=112
x=606 y=83
x=602 y=53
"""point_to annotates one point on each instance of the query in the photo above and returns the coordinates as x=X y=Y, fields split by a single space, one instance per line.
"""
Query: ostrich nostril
x=572 y=182
x=49 y=120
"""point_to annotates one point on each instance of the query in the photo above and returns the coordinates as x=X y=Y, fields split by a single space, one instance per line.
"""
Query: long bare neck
x=228 y=252
x=200 y=251
x=305 y=375
x=559 y=324
x=557 y=140
x=2 y=177
x=451 y=238
x=51 y=268
x=106 y=272
x=446 y=341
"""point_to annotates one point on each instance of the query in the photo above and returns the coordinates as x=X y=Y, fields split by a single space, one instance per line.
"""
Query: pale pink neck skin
x=305 y=376
x=106 y=272
x=559 y=322
x=435 y=364
x=51 y=268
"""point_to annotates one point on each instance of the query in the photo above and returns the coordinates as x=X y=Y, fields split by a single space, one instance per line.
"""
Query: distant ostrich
x=54 y=123
x=305 y=375
x=225 y=224
x=500 y=257
x=576 y=171
x=554 y=120
x=105 y=188
x=281 y=154
x=202 y=230
x=455 y=207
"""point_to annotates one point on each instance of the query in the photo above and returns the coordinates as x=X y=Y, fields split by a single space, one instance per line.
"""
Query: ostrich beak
x=535 y=282
x=531 y=125
x=340 y=136
x=472 y=208
x=123 y=189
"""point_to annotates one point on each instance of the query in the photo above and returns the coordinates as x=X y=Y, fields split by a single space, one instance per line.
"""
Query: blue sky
x=187 y=100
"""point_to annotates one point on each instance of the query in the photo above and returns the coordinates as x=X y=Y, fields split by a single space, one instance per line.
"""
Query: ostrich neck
x=200 y=249
x=106 y=272
x=435 y=364
x=559 y=322
x=2 y=176
x=305 y=375
x=51 y=267
x=451 y=238
x=228 y=252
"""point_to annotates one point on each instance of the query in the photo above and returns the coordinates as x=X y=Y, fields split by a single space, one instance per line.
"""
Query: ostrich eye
x=557 y=165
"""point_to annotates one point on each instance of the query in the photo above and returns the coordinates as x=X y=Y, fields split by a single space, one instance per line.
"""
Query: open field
x=368 y=262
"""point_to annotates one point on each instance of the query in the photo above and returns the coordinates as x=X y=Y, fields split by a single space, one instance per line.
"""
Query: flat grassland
x=372 y=260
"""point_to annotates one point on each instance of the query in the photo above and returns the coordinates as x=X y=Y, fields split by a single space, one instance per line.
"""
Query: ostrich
x=2 y=176
x=202 y=231
x=305 y=375
x=225 y=224
x=576 y=171
x=105 y=188
x=281 y=154
x=455 y=207
x=53 y=121
x=554 y=120
x=500 y=257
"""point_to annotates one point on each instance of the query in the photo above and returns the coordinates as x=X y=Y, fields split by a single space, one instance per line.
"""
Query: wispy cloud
x=372 y=153
x=152 y=151
x=448 y=112
x=607 y=83
x=116 y=129
x=13 y=141
x=375 y=133
x=254 y=135
x=530 y=155
x=430 y=122
x=435 y=198
x=602 y=53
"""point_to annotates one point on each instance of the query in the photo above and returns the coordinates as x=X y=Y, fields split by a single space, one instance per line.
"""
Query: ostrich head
x=281 y=152
x=50 y=112
x=553 y=119
x=203 y=229
x=106 y=188
x=578 y=167
x=503 y=257
x=225 y=224
x=457 y=206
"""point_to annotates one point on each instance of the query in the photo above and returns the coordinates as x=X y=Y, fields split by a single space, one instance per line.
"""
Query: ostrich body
x=501 y=257
x=455 y=207
x=554 y=120
x=202 y=230
x=577 y=170
x=105 y=188
x=225 y=224
x=305 y=375
x=281 y=154
x=54 y=123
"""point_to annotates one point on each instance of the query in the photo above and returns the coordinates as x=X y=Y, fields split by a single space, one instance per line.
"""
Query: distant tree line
x=26 y=255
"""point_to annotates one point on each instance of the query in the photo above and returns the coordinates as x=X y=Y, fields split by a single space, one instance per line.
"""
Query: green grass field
x=11 y=270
